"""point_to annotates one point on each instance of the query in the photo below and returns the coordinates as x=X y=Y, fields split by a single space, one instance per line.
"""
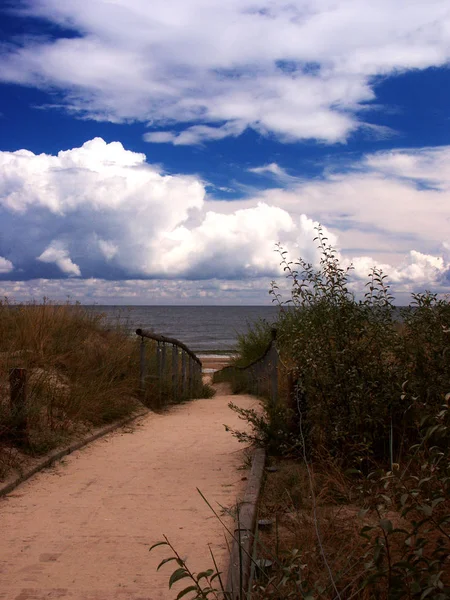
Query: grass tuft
x=81 y=373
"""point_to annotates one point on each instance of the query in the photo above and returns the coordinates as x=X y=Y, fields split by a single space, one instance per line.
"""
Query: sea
x=204 y=329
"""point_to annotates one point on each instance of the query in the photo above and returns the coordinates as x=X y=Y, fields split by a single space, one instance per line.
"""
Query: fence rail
x=259 y=377
x=175 y=378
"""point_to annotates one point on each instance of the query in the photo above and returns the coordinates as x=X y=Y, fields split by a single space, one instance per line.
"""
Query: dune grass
x=81 y=373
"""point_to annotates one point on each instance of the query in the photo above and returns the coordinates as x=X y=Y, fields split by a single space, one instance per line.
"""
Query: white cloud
x=426 y=165
x=238 y=245
x=196 y=134
x=58 y=254
x=274 y=170
x=138 y=291
x=103 y=212
x=101 y=209
x=297 y=70
x=387 y=203
x=417 y=269
x=109 y=249
x=6 y=265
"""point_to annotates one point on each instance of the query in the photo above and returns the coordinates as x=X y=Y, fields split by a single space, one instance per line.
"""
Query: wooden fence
x=259 y=377
x=171 y=373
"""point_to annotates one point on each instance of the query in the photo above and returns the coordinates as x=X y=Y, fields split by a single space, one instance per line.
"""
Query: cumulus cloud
x=416 y=270
x=101 y=210
x=389 y=209
x=6 y=266
x=297 y=70
x=58 y=254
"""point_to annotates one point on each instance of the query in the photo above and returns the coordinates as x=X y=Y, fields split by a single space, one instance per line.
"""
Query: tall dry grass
x=81 y=372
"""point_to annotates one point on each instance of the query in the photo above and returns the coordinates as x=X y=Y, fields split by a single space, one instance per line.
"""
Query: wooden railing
x=170 y=378
x=259 y=377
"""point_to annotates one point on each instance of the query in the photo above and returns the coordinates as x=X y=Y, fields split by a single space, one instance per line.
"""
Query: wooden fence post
x=163 y=359
x=143 y=369
x=191 y=377
x=18 y=390
x=183 y=373
x=163 y=371
x=158 y=359
x=200 y=379
x=175 y=371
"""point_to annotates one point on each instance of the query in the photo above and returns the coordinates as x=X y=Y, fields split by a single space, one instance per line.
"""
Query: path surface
x=82 y=530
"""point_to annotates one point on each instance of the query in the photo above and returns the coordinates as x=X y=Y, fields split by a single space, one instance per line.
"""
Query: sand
x=214 y=362
x=82 y=530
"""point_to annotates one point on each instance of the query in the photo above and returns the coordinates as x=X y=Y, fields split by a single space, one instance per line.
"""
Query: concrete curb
x=48 y=460
x=245 y=522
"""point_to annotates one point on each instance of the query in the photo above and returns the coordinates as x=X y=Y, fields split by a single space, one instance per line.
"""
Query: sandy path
x=82 y=529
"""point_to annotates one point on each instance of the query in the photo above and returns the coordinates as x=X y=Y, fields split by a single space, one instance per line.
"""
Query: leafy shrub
x=252 y=344
x=268 y=428
x=351 y=359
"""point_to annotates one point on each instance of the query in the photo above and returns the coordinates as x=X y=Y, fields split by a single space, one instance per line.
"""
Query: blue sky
x=156 y=152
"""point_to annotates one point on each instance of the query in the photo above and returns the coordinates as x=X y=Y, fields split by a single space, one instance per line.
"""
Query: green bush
x=353 y=360
x=252 y=344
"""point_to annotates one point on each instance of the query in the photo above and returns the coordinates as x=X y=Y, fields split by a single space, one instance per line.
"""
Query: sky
x=157 y=152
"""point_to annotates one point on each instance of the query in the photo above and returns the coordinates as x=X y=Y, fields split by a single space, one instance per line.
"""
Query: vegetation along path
x=82 y=530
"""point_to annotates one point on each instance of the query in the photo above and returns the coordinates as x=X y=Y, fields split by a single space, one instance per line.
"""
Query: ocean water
x=205 y=329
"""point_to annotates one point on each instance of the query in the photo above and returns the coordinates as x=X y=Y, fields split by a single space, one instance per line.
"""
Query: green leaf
x=205 y=574
x=427 y=510
x=180 y=573
x=166 y=560
x=403 y=564
x=400 y=530
x=353 y=472
x=191 y=588
x=424 y=480
x=437 y=501
x=377 y=553
x=157 y=544
x=386 y=525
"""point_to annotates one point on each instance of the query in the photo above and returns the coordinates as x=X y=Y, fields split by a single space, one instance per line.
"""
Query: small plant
x=202 y=586
x=269 y=428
